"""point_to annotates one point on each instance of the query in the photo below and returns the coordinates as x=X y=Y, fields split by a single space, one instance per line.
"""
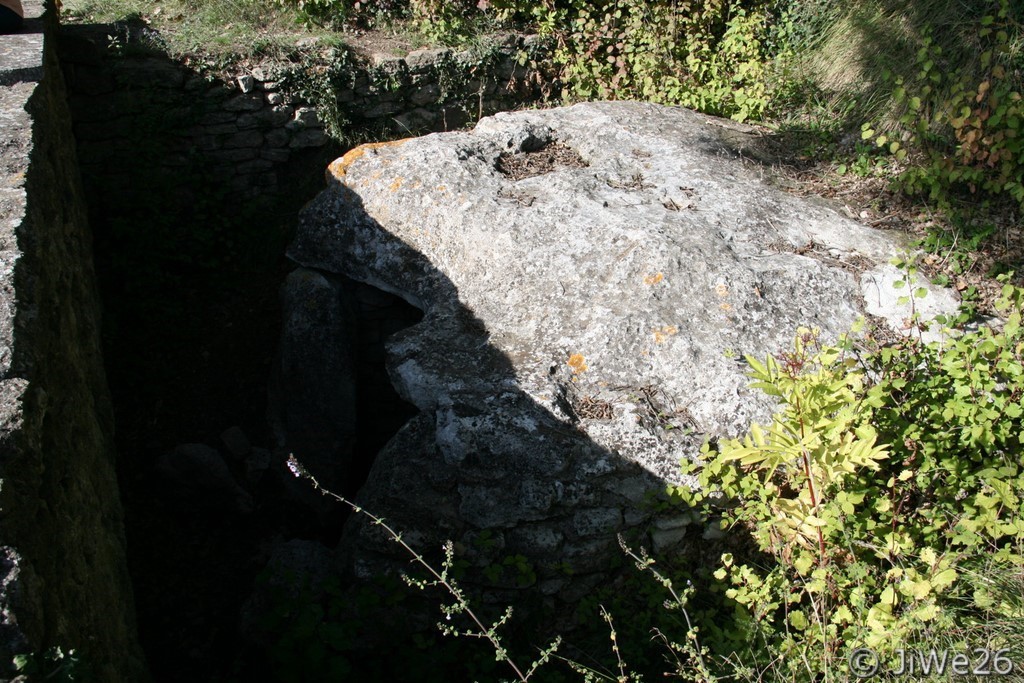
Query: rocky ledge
x=589 y=278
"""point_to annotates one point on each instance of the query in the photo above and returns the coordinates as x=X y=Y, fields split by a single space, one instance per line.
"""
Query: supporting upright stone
x=313 y=387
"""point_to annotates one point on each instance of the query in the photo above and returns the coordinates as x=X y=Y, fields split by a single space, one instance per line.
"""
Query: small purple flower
x=296 y=467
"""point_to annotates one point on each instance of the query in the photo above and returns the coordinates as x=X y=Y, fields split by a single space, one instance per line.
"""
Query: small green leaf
x=944 y=578
x=919 y=589
x=798 y=620
x=842 y=615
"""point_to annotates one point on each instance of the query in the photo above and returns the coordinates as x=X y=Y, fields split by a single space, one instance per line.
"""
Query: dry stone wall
x=135 y=110
x=63 y=576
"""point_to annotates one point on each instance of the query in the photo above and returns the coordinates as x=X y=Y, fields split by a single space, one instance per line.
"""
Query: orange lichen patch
x=442 y=188
x=396 y=184
x=577 y=362
x=721 y=290
x=725 y=307
x=339 y=167
x=653 y=279
x=663 y=333
x=15 y=180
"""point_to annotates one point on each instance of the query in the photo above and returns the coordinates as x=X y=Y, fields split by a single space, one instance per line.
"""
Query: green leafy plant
x=54 y=664
x=884 y=478
x=445 y=21
x=867 y=162
x=813 y=445
x=962 y=117
x=792 y=485
x=322 y=12
x=708 y=56
x=319 y=85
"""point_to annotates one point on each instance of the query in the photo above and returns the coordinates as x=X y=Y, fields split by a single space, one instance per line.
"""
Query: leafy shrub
x=445 y=21
x=335 y=13
x=963 y=114
x=709 y=56
x=325 y=12
x=884 y=481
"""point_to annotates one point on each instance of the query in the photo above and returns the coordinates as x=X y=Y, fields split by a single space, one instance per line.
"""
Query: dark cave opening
x=189 y=348
x=380 y=411
x=184 y=400
x=189 y=266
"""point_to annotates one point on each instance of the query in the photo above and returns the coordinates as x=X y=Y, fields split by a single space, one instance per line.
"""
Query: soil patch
x=548 y=158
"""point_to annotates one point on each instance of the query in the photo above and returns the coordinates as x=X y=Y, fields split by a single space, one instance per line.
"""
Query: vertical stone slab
x=313 y=401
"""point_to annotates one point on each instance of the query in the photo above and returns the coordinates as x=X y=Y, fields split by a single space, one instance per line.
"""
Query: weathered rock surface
x=589 y=277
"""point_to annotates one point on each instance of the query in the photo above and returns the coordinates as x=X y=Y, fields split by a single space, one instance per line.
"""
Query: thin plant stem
x=440 y=578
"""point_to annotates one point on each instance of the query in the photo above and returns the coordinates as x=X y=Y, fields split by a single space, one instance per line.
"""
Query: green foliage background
x=934 y=85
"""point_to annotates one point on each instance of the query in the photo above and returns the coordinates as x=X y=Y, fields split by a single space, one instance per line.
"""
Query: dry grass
x=234 y=27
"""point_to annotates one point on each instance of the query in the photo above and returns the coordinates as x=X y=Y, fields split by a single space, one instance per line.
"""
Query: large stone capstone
x=590 y=278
